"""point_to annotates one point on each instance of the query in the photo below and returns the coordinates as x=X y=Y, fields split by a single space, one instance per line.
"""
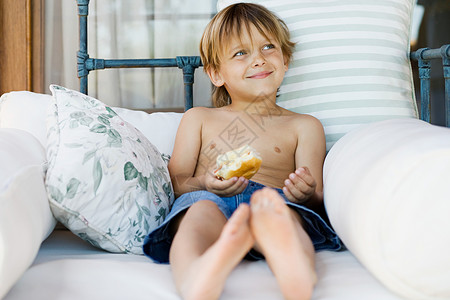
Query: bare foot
x=206 y=276
x=284 y=243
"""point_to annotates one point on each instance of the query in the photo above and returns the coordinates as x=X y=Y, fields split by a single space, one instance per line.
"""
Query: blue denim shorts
x=157 y=243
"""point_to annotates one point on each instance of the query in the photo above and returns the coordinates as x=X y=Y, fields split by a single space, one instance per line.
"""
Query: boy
x=245 y=50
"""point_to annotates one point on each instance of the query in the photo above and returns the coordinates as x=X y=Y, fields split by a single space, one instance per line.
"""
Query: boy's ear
x=215 y=77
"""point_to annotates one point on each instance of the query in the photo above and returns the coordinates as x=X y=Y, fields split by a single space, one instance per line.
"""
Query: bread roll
x=243 y=161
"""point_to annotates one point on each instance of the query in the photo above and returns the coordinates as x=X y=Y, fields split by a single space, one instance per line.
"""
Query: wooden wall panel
x=21 y=45
x=38 y=46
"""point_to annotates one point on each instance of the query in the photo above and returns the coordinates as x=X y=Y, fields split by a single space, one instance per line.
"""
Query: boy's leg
x=284 y=243
x=206 y=248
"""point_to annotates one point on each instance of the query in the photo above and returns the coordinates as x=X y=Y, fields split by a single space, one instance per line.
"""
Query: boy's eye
x=239 y=53
x=268 y=46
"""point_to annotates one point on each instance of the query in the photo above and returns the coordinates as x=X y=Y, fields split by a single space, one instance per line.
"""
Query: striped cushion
x=351 y=63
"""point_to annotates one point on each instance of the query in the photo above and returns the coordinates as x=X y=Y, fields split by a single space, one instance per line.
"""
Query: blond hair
x=229 y=23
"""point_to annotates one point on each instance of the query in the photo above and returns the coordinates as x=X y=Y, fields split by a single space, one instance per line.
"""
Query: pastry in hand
x=240 y=162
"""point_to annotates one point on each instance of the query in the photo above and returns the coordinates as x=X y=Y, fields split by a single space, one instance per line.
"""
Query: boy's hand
x=300 y=186
x=225 y=188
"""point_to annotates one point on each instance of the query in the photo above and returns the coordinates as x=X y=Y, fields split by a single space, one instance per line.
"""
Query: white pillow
x=351 y=63
x=26 y=111
x=159 y=127
x=387 y=195
x=106 y=182
x=25 y=216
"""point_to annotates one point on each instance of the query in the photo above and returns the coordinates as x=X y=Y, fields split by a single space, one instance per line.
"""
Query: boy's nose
x=258 y=60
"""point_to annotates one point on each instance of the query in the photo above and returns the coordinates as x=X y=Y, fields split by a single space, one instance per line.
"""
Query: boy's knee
x=205 y=208
x=204 y=204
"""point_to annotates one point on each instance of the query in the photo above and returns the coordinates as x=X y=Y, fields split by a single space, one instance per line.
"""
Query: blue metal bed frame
x=189 y=63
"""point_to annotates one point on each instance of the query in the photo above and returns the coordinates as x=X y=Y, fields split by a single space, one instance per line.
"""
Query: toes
x=267 y=198
x=241 y=214
x=260 y=199
x=238 y=220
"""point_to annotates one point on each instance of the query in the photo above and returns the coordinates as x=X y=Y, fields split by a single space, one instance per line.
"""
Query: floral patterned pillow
x=106 y=182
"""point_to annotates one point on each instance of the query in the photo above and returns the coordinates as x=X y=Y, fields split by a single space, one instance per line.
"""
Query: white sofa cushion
x=387 y=195
x=160 y=127
x=106 y=182
x=28 y=111
x=25 y=216
x=351 y=64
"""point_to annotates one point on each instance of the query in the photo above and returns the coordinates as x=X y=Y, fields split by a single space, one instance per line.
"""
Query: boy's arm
x=183 y=163
x=305 y=185
x=185 y=153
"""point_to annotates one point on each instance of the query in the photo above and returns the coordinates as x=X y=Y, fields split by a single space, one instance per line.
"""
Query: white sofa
x=386 y=192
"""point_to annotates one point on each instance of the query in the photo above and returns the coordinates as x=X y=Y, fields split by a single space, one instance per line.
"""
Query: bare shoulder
x=194 y=115
x=304 y=121
x=308 y=128
x=196 y=112
x=310 y=122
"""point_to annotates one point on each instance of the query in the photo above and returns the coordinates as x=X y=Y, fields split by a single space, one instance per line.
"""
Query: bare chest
x=274 y=139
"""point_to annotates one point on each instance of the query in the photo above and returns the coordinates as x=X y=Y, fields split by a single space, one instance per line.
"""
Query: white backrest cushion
x=387 y=194
x=160 y=127
x=28 y=111
x=25 y=216
x=351 y=61
x=18 y=149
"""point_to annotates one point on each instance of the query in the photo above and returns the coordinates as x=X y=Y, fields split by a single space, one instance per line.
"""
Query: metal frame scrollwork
x=86 y=64
x=424 y=56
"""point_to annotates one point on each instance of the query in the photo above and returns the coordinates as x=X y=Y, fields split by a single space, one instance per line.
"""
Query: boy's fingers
x=236 y=185
x=301 y=182
x=288 y=194
x=221 y=185
x=306 y=177
x=303 y=169
x=298 y=190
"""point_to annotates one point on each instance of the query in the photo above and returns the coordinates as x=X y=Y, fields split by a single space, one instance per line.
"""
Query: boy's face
x=251 y=67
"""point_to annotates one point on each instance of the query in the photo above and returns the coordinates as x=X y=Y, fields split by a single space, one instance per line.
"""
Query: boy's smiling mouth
x=260 y=75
